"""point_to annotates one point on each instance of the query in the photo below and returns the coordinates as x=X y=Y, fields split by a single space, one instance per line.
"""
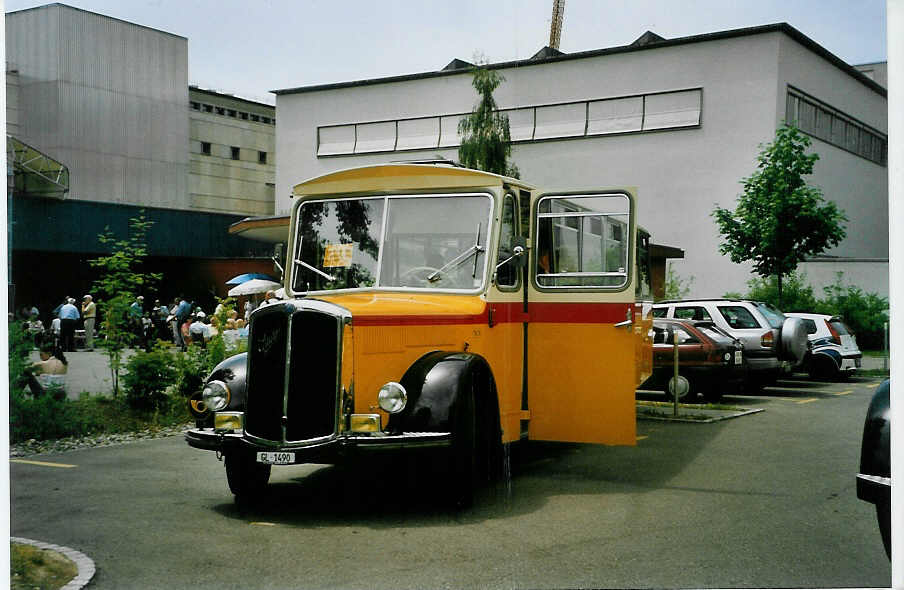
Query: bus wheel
x=247 y=478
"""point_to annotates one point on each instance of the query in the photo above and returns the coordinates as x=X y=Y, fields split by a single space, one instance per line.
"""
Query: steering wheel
x=412 y=273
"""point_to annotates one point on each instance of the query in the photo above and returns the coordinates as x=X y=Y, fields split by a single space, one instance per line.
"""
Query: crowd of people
x=181 y=323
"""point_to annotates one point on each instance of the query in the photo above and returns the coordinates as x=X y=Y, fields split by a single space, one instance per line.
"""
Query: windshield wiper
x=460 y=259
x=318 y=271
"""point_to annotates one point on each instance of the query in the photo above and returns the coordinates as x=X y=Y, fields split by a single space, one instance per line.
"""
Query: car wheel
x=883 y=515
x=823 y=369
x=246 y=477
x=713 y=394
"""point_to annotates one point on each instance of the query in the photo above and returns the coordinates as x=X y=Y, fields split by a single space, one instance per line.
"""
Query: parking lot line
x=42 y=463
x=806 y=401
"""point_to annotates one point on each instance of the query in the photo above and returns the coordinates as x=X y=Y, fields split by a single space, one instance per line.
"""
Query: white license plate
x=276 y=458
x=738 y=357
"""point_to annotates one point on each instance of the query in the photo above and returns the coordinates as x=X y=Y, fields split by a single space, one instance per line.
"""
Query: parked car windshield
x=773 y=316
x=715 y=333
x=421 y=242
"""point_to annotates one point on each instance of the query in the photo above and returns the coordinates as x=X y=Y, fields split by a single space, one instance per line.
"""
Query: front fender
x=436 y=384
x=233 y=372
x=875 y=450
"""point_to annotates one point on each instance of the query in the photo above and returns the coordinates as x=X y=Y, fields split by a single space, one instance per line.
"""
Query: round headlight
x=727 y=356
x=393 y=397
x=216 y=395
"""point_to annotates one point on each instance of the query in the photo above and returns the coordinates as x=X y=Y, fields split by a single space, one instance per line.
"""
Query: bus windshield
x=409 y=242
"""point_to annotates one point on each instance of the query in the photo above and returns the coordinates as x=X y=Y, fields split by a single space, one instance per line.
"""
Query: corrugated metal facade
x=108 y=98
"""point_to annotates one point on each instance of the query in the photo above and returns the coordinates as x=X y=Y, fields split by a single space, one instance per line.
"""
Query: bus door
x=581 y=359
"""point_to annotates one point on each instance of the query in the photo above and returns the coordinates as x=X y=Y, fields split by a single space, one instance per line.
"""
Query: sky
x=252 y=47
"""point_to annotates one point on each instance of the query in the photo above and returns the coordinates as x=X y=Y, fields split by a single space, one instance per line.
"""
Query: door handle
x=629 y=321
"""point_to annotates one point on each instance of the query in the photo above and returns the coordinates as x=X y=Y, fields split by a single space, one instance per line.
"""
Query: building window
x=221 y=111
x=261 y=157
x=243 y=116
x=658 y=111
x=195 y=106
x=235 y=153
x=255 y=118
x=231 y=113
x=208 y=108
x=205 y=148
x=265 y=120
x=824 y=122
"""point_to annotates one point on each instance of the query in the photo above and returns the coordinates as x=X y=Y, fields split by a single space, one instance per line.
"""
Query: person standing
x=89 y=312
x=69 y=317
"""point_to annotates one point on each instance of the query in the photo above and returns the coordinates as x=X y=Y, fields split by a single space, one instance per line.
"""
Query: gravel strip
x=74 y=443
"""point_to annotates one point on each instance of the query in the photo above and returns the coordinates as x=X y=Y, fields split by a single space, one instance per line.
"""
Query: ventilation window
x=205 y=148
x=235 y=153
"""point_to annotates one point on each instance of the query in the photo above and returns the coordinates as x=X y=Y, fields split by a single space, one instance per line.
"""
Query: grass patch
x=32 y=568
x=47 y=419
x=871 y=373
x=691 y=406
x=873 y=353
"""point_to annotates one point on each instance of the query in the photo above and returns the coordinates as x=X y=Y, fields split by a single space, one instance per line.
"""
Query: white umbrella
x=253 y=286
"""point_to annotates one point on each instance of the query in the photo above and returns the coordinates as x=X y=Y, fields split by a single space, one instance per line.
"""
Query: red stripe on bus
x=503 y=313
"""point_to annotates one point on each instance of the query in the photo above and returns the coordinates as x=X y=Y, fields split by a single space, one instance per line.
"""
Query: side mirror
x=517 y=252
x=520 y=242
x=277 y=260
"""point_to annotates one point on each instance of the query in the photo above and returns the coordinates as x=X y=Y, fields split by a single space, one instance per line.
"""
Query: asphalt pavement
x=764 y=500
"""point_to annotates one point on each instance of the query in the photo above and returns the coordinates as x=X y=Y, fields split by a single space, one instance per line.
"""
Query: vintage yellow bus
x=441 y=308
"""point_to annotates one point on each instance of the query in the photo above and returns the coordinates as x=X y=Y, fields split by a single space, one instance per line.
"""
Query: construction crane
x=555 y=27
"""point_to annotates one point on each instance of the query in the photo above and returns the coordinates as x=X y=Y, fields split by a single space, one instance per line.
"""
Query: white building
x=679 y=119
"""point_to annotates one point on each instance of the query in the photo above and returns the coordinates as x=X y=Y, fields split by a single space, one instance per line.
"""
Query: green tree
x=780 y=220
x=486 y=142
x=119 y=282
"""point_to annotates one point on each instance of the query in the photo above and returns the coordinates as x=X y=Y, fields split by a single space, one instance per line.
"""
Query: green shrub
x=148 y=374
x=864 y=313
x=797 y=296
x=42 y=418
x=20 y=345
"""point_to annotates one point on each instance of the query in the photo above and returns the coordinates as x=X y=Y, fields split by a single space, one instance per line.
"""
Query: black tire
x=823 y=368
x=246 y=477
x=713 y=393
x=883 y=515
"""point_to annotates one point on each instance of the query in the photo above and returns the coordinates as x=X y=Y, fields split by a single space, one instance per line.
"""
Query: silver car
x=773 y=343
x=835 y=352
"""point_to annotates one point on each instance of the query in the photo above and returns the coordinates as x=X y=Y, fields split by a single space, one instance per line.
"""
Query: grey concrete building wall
x=12 y=100
x=680 y=174
x=876 y=71
x=217 y=181
x=106 y=98
x=856 y=184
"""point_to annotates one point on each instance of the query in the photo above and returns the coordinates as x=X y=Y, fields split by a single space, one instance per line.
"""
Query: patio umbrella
x=253 y=286
x=238 y=280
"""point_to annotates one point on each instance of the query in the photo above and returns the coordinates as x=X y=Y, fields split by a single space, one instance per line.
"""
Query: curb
x=84 y=563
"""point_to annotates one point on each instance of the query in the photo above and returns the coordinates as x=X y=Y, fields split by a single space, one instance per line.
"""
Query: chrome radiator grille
x=293 y=374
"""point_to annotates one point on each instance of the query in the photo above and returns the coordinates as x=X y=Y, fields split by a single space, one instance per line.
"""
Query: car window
x=810 y=325
x=660 y=312
x=688 y=337
x=715 y=333
x=738 y=317
x=692 y=313
x=772 y=315
x=659 y=335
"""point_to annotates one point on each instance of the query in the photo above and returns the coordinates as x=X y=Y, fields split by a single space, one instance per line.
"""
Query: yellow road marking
x=641 y=437
x=845 y=392
x=872 y=385
x=262 y=523
x=41 y=463
x=806 y=401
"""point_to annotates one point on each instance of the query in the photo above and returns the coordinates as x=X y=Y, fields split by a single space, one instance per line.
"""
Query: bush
x=797 y=296
x=148 y=374
x=44 y=417
x=864 y=313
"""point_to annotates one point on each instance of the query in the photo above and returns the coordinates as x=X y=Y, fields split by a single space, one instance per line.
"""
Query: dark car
x=874 y=478
x=708 y=357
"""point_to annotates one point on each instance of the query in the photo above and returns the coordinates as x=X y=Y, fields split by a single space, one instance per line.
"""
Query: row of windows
x=832 y=126
x=235 y=114
x=235 y=152
x=632 y=114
